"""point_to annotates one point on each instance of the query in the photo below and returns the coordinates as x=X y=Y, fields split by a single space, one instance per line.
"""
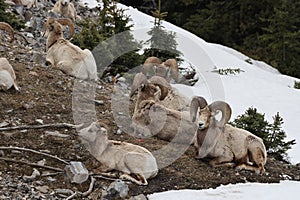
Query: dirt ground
x=46 y=97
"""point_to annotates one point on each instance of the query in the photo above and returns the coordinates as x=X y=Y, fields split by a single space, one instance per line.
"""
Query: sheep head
x=156 y=88
x=8 y=28
x=55 y=26
x=207 y=113
x=94 y=137
x=64 y=2
x=54 y=29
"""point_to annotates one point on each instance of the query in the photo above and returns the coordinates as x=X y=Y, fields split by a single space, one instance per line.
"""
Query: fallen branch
x=34 y=151
x=72 y=196
x=58 y=125
x=85 y=194
x=32 y=164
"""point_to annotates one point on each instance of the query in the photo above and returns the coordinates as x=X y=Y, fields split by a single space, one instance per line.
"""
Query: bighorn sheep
x=162 y=69
x=158 y=110
x=225 y=144
x=66 y=56
x=135 y=162
x=7 y=73
x=159 y=90
x=65 y=8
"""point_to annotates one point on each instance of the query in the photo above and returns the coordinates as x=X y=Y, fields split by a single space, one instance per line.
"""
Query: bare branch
x=34 y=151
x=31 y=164
x=58 y=125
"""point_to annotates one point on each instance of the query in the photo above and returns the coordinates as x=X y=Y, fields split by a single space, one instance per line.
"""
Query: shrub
x=9 y=17
x=271 y=133
x=297 y=84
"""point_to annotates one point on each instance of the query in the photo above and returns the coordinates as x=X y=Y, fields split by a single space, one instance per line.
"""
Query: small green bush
x=271 y=133
x=12 y=19
x=297 y=84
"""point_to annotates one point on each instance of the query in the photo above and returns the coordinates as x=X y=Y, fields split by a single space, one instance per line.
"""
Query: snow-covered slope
x=257 y=85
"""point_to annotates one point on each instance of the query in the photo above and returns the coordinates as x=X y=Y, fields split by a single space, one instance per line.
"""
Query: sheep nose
x=200 y=124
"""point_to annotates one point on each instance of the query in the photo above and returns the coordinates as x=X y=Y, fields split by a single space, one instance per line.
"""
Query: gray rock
x=77 y=172
x=117 y=189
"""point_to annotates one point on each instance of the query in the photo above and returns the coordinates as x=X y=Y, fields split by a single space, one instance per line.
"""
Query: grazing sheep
x=162 y=69
x=7 y=73
x=65 y=8
x=64 y=55
x=135 y=162
x=225 y=144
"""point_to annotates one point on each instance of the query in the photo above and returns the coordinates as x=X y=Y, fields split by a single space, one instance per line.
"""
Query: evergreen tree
x=9 y=17
x=276 y=138
x=162 y=43
x=282 y=37
x=272 y=134
x=109 y=36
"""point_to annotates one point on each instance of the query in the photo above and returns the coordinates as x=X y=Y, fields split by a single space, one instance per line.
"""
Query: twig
x=34 y=151
x=58 y=125
x=72 y=196
x=51 y=174
x=32 y=164
x=104 y=177
x=84 y=194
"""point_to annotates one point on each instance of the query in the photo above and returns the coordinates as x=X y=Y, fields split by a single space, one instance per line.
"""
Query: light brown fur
x=64 y=55
x=135 y=162
x=225 y=144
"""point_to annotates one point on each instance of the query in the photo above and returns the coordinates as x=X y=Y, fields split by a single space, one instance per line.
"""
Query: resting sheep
x=64 y=55
x=7 y=73
x=65 y=8
x=162 y=69
x=159 y=90
x=158 y=111
x=225 y=144
x=135 y=162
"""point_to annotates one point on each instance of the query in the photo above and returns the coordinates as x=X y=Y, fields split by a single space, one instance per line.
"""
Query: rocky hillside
x=43 y=112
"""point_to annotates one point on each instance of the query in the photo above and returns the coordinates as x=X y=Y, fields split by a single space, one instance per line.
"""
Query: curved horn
x=138 y=80
x=162 y=84
x=197 y=102
x=224 y=108
x=172 y=64
x=8 y=28
x=69 y=23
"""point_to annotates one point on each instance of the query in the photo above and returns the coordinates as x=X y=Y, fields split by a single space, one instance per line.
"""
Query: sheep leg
x=257 y=170
x=221 y=162
x=140 y=180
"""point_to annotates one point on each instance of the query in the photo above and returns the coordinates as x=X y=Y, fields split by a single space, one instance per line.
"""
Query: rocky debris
x=117 y=189
x=77 y=172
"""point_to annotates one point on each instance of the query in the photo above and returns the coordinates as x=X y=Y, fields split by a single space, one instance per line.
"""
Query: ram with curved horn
x=158 y=89
x=159 y=110
x=225 y=144
x=167 y=69
x=7 y=73
x=64 y=55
